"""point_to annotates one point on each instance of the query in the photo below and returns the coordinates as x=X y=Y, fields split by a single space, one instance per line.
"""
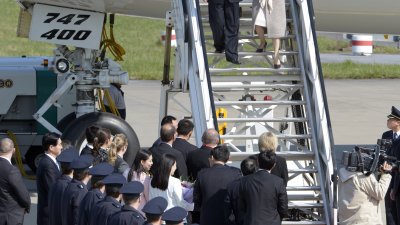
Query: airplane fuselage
x=347 y=16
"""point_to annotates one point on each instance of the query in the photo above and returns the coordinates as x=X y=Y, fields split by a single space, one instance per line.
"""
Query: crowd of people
x=173 y=182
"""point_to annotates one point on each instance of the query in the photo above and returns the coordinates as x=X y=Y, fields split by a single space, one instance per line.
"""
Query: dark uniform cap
x=114 y=178
x=155 y=206
x=133 y=187
x=101 y=169
x=87 y=157
x=81 y=163
x=395 y=113
x=68 y=155
x=174 y=215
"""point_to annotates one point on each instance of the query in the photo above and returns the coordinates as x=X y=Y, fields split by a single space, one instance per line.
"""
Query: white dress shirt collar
x=53 y=159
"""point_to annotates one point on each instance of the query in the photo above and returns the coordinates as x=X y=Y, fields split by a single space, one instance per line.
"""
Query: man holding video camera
x=360 y=193
x=392 y=199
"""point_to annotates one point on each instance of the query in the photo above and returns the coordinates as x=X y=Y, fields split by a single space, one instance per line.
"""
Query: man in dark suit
x=167 y=119
x=47 y=173
x=210 y=187
x=167 y=135
x=263 y=196
x=14 y=196
x=90 y=133
x=392 y=198
x=233 y=214
x=199 y=158
x=181 y=143
x=224 y=22
x=57 y=190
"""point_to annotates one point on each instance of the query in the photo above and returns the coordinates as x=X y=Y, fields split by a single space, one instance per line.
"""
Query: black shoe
x=263 y=48
x=276 y=66
x=234 y=61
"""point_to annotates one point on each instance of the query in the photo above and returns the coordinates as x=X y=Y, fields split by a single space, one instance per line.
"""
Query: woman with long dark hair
x=140 y=172
x=101 y=144
x=163 y=184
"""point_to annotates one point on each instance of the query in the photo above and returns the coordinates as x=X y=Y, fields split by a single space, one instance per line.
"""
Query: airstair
x=245 y=100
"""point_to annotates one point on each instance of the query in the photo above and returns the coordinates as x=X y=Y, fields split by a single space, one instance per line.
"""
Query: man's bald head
x=210 y=137
x=167 y=132
x=6 y=145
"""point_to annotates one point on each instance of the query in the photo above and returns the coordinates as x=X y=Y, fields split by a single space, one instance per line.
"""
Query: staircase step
x=302 y=171
x=252 y=69
x=290 y=156
x=303 y=188
x=254 y=78
x=251 y=36
x=255 y=53
x=303 y=197
x=233 y=85
x=243 y=136
x=244 y=21
x=304 y=205
x=303 y=223
x=260 y=120
x=241 y=4
x=258 y=103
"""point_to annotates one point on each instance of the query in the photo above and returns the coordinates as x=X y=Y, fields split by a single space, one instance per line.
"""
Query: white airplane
x=347 y=16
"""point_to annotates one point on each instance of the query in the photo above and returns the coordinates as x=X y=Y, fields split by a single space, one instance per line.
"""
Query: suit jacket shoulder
x=184 y=147
x=387 y=135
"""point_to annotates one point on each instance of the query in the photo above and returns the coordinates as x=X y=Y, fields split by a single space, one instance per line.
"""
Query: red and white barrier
x=173 y=38
x=362 y=44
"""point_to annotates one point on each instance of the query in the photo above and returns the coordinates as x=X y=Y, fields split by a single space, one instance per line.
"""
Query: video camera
x=367 y=160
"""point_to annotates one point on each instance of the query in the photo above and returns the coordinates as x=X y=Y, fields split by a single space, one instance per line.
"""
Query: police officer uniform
x=104 y=209
x=128 y=214
x=156 y=206
x=95 y=195
x=57 y=190
x=393 y=207
x=74 y=193
x=174 y=216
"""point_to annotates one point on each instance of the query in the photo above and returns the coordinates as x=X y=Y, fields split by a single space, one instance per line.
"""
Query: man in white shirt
x=47 y=173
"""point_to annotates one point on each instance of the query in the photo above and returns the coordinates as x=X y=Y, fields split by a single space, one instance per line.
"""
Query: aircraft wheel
x=75 y=131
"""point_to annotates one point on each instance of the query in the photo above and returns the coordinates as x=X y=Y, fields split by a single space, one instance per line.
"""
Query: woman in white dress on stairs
x=270 y=15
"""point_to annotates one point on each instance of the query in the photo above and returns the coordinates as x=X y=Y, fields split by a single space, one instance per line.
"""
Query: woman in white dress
x=140 y=172
x=270 y=15
x=163 y=184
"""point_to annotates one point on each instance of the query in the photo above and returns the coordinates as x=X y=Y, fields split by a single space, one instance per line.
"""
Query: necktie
x=395 y=136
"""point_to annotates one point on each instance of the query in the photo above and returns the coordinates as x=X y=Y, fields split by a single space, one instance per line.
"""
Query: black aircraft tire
x=64 y=122
x=75 y=132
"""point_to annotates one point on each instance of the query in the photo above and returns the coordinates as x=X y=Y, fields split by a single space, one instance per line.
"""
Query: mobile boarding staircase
x=245 y=100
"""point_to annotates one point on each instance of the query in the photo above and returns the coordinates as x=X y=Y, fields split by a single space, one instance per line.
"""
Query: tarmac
x=358 y=110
